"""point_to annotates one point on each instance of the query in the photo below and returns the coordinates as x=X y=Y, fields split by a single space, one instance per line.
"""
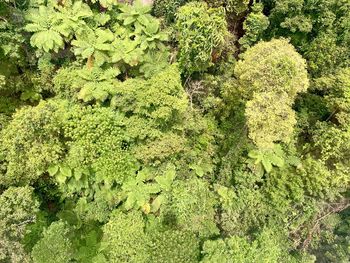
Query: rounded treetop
x=273 y=66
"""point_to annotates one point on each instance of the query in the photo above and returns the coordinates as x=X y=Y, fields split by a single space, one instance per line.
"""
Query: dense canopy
x=174 y=131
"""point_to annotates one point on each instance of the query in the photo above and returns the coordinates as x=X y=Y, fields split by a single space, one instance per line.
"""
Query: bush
x=202 y=35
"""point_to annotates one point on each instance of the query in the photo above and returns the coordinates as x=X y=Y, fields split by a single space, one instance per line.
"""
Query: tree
x=235 y=7
x=55 y=245
x=269 y=119
x=310 y=26
x=167 y=8
x=331 y=138
x=18 y=208
x=124 y=239
x=30 y=143
x=270 y=75
x=53 y=25
x=265 y=248
x=191 y=137
x=202 y=34
x=272 y=66
x=192 y=208
x=333 y=242
x=173 y=246
x=254 y=26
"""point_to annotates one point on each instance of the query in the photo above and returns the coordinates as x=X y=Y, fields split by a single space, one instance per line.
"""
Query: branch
x=30 y=220
x=337 y=209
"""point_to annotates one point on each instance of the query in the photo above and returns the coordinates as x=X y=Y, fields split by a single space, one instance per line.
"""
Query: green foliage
x=333 y=243
x=272 y=66
x=235 y=7
x=34 y=230
x=30 y=143
x=93 y=210
x=277 y=198
x=174 y=246
x=265 y=248
x=336 y=88
x=295 y=20
x=55 y=245
x=317 y=29
x=138 y=191
x=68 y=240
x=245 y=205
x=220 y=156
x=333 y=143
x=54 y=25
x=254 y=26
x=167 y=8
x=18 y=208
x=161 y=98
x=139 y=40
x=271 y=80
x=202 y=34
x=270 y=119
x=124 y=239
x=11 y=39
x=88 y=85
x=323 y=54
x=109 y=4
x=97 y=85
x=16 y=59
x=163 y=147
x=93 y=45
x=85 y=162
x=267 y=159
x=129 y=39
x=319 y=181
x=88 y=246
x=138 y=14
x=331 y=139
x=96 y=159
x=192 y=207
